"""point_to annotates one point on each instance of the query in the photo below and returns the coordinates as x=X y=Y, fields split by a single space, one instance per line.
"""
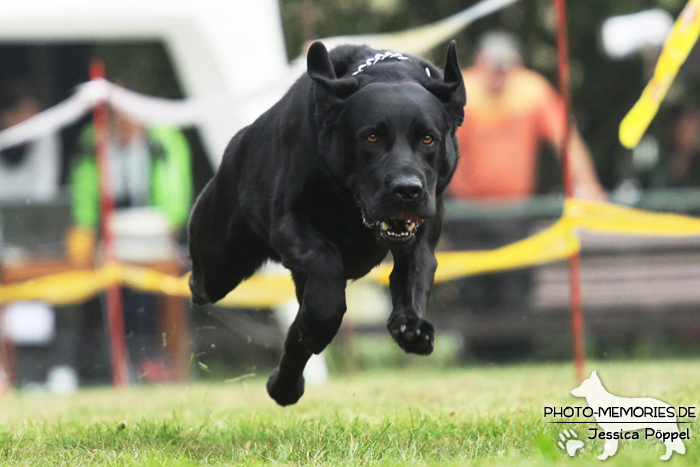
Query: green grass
x=473 y=416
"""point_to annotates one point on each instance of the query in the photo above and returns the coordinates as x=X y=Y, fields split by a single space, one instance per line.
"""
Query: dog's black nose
x=407 y=188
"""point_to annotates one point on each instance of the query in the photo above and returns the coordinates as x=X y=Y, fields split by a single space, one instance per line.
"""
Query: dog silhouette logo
x=622 y=418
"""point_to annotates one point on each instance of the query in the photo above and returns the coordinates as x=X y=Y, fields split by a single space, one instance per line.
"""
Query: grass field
x=472 y=416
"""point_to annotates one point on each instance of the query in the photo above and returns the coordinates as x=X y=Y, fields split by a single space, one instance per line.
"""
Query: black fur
x=312 y=181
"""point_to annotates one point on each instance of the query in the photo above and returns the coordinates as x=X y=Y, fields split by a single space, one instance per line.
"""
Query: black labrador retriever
x=350 y=164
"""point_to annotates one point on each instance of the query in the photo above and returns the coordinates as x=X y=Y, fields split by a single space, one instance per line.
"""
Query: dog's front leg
x=317 y=269
x=609 y=449
x=410 y=285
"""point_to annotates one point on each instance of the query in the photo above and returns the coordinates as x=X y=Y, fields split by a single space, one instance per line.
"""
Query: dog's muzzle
x=398 y=228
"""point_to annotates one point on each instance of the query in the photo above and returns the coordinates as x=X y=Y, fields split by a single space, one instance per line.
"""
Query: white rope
x=147 y=110
x=48 y=121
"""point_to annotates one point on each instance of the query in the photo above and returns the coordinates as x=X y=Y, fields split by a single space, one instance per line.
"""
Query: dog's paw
x=284 y=392
x=413 y=334
x=569 y=442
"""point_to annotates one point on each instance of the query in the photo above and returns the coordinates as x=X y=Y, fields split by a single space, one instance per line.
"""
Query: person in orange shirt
x=510 y=111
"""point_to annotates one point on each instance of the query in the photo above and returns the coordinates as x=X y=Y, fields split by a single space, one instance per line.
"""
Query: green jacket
x=171 y=177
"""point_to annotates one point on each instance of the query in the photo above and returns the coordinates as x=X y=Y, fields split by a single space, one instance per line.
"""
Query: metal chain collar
x=378 y=58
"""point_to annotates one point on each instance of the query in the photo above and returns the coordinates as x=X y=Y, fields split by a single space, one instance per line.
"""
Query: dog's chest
x=341 y=223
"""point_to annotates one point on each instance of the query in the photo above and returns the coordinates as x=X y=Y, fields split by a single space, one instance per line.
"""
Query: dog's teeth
x=385 y=226
x=410 y=226
x=403 y=328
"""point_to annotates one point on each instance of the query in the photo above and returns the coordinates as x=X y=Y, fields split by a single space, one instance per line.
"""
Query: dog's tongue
x=406 y=216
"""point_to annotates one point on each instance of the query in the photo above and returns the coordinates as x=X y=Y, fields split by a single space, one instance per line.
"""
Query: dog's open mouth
x=399 y=227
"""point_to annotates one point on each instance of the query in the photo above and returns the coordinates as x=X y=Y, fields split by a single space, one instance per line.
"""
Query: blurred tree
x=603 y=90
x=144 y=67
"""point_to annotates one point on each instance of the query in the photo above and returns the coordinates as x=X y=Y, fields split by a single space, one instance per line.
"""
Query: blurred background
x=640 y=295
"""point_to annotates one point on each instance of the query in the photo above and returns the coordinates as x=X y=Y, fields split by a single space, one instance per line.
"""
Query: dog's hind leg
x=224 y=247
x=676 y=445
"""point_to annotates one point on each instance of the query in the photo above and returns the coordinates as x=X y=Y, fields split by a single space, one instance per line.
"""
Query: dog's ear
x=320 y=69
x=451 y=90
x=451 y=93
x=329 y=91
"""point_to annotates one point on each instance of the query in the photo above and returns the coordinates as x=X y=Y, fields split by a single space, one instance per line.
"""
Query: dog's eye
x=427 y=139
x=372 y=138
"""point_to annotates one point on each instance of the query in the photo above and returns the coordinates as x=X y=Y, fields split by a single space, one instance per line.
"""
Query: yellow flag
x=676 y=49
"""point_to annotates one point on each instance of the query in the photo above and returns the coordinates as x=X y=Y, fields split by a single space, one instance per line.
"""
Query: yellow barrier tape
x=614 y=219
x=675 y=51
x=260 y=291
x=64 y=288
x=77 y=286
x=557 y=242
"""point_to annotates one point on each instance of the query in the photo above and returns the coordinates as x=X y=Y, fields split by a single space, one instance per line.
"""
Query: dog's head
x=387 y=130
x=590 y=386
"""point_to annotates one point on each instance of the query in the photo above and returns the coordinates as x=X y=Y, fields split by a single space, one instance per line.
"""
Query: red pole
x=575 y=259
x=115 y=314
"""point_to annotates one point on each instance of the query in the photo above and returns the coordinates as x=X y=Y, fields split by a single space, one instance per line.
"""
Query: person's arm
x=85 y=199
x=172 y=177
x=586 y=184
x=84 y=181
